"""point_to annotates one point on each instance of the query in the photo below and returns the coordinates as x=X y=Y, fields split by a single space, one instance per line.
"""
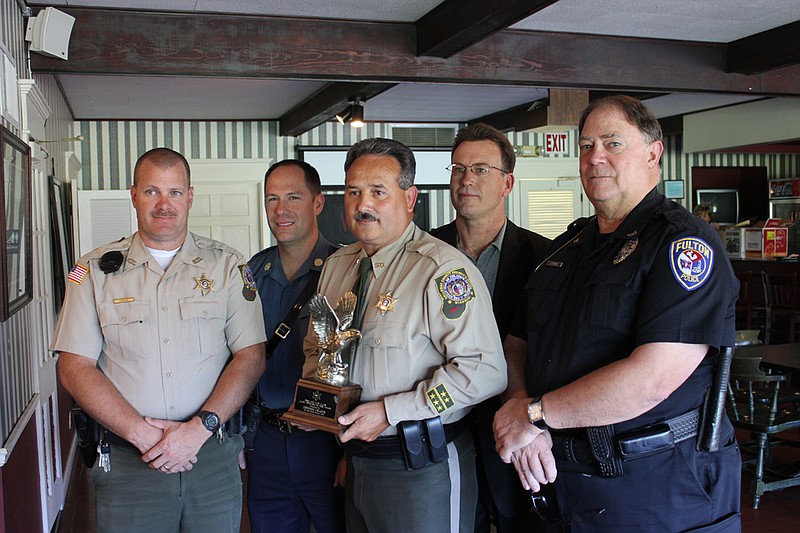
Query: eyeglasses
x=479 y=169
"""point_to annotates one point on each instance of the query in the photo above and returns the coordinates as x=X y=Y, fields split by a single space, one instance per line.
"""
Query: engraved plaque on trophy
x=320 y=401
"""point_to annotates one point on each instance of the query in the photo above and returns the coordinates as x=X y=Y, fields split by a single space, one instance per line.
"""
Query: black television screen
x=724 y=204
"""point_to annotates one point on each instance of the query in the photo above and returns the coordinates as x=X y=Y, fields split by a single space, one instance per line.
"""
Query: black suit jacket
x=518 y=257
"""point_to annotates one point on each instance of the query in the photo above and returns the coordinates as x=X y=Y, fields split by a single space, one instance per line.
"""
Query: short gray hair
x=380 y=146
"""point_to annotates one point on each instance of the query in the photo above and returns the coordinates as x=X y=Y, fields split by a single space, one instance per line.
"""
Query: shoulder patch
x=455 y=290
x=77 y=274
x=249 y=289
x=691 y=260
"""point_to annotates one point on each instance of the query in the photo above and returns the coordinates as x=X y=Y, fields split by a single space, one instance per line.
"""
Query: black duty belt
x=273 y=418
x=391 y=447
x=635 y=444
x=113 y=438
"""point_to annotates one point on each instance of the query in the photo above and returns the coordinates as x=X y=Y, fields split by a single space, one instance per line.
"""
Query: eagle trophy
x=332 y=327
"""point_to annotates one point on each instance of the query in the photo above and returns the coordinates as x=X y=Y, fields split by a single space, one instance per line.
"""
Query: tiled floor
x=779 y=512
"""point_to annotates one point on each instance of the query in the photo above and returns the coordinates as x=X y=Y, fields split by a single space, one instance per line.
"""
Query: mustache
x=160 y=213
x=363 y=215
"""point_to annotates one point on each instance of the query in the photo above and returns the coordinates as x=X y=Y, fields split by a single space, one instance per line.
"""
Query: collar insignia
x=318 y=262
x=626 y=250
x=267 y=267
x=197 y=260
x=204 y=284
x=385 y=303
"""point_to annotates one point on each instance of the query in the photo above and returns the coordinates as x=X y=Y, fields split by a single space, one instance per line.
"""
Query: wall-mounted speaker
x=49 y=31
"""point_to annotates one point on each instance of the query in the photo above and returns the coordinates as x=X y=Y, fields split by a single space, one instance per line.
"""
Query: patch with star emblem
x=249 y=289
x=385 y=303
x=440 y=399
x=204 y=284
x=691 y=260
x=455 y=291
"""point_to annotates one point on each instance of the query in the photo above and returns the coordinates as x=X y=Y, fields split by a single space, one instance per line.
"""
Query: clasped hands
x=524 y=445
x=171 y=447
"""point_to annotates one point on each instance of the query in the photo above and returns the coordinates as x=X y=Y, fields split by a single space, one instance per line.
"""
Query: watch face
x=210 y=420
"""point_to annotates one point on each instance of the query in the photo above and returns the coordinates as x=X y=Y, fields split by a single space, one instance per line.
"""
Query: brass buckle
x=283 y=330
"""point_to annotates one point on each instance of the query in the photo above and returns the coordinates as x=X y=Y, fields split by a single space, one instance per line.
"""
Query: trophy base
x=319 y=405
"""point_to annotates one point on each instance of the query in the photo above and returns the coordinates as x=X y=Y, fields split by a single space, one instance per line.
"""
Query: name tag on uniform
x=127 y=300
x=557 y=264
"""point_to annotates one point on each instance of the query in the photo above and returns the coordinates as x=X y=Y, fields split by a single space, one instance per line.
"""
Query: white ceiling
x=152 y=97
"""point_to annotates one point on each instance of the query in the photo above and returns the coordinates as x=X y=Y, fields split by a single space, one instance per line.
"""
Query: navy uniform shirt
x=662 y=276
x=278 y=295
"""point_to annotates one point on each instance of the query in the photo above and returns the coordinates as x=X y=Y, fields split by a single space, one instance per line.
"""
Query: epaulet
x=204 y=243
x=121 y=245
x=437 y=250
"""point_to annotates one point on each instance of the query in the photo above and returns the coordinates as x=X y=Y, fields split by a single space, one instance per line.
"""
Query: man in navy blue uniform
x=291 y=472
x=481 y=178
x=625 y=316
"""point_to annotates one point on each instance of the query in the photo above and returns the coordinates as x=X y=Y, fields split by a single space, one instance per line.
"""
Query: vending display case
x=784 y=204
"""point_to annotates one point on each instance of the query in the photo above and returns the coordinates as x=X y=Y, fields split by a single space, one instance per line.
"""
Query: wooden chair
x=780 y=297
x=744 y=304
x=755 y=406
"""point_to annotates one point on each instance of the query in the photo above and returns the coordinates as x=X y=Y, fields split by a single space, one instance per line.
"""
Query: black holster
x=88 y=435
x=251 y=418
x=423 y=442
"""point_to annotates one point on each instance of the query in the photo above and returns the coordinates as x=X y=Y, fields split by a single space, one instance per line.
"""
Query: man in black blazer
x=481 y=178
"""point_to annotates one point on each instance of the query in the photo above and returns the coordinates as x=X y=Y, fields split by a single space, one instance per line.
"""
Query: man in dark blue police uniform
x=625 y=316
x=291 y=472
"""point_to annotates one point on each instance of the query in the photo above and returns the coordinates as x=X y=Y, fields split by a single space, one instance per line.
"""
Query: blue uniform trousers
x=290 y=482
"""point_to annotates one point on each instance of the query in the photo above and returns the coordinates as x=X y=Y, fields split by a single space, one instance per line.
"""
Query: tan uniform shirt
x=429 y=342
x=162 y=339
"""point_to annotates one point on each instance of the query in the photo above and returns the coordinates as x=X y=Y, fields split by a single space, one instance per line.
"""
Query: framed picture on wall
x=673 y=189
x=16 y=273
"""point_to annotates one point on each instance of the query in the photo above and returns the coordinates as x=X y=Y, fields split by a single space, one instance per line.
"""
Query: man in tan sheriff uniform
x=161 y=340
x=429 y=348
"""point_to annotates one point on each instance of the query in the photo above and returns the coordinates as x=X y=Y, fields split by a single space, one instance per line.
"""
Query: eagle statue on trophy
x=332 y=327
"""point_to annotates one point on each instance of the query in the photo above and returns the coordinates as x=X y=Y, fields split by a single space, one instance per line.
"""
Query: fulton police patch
x=455 y=290
x=249 y=289
x=691 y=260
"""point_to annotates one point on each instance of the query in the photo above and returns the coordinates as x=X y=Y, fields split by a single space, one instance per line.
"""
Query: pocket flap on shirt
x=121 y=314
x=204 y=309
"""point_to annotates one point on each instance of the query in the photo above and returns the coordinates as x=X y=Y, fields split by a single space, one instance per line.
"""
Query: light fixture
x=354 y=114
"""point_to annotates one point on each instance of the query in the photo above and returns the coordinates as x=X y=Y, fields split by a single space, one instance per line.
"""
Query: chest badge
x=626 y=250
x=385 y=303
x=691 y=260
x=204 y=284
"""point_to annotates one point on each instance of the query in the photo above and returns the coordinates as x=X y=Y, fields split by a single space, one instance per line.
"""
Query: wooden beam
x=771 y=49
x=325 y=104
x=456 y=24
x=139 y=43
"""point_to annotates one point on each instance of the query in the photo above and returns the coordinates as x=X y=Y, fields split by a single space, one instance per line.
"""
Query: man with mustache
x=429 y=351
x=161 y=341
x=481 y=178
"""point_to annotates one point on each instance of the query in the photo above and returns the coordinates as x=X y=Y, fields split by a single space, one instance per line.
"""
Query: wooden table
x=785 y=356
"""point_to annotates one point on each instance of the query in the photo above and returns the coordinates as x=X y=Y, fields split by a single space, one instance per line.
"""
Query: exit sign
x=555 y=143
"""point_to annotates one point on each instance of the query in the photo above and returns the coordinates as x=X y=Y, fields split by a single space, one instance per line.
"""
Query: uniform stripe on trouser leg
x=455 y=487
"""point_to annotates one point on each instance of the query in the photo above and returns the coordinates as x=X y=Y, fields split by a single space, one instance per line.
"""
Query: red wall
x=20 y=508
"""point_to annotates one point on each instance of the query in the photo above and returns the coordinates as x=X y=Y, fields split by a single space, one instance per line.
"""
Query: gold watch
x=536 y=413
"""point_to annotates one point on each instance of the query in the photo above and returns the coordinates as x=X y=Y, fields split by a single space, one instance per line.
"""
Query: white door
x=228 y=212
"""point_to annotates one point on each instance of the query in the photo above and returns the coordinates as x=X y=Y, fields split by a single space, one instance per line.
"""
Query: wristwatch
x=210 y=420
x=536 y=413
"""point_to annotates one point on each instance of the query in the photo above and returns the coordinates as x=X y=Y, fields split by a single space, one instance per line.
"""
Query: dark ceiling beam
x=325 y=104
x=138 y=43
x=454 y=25
x=771 y=49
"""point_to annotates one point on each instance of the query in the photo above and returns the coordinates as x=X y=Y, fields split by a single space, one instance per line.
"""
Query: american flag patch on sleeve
x=77 y=274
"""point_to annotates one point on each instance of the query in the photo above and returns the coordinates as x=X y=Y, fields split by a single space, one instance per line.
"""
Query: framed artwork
x=16 y=274
x=673 y=189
